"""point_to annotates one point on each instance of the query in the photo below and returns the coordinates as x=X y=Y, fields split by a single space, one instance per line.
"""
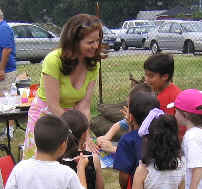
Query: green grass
x=116 y=84
x=115 y=72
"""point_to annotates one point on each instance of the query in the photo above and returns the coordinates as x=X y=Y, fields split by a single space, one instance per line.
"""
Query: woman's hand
x=100 y=139
x=92 y=146
x=107 y=146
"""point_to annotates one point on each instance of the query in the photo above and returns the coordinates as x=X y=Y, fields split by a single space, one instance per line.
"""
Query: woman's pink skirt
x=37 y=109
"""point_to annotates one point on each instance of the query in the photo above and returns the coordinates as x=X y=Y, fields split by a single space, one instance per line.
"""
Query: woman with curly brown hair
x=68 y=74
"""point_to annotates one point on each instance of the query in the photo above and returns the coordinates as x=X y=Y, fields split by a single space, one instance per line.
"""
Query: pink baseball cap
x=190 y=100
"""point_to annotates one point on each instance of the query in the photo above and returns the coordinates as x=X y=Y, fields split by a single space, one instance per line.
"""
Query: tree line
x=112 y=12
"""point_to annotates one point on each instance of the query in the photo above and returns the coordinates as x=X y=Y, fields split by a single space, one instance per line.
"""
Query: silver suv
x=33 y=43
x=176 y=35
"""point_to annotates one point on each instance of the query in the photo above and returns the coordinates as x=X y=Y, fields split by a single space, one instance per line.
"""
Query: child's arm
x=109 y=135
x=81 y=170
x=107 y=146
x=99 y=176
x=123 y=179
x=196 y=177
x=140 y=175
x=116 y=127
x=182 y=185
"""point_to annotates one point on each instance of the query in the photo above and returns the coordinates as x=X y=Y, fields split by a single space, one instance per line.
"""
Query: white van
x=132 y=23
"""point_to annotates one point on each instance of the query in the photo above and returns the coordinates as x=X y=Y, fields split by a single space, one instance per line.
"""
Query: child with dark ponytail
x=79 y=125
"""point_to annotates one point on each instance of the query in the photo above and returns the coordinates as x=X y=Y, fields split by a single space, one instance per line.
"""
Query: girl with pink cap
x=189 y=112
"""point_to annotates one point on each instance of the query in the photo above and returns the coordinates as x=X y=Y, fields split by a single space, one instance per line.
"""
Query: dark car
x=135 y=37
x=111 y=39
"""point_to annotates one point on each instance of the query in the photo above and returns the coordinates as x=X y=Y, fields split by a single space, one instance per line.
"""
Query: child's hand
x=124 y=111
x=82 y=162
x=107 y=146
x=141 y=172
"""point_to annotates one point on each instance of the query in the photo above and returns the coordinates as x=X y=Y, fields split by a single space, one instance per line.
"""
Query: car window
x=164 y=28
x=144 y=23
x=106 y=30
x=130 y=24
x=38 y=32
x=125 y=25
x=139 y=30
x=21 y=32
x=191 y=27
x=131 y=30
x=176 y=28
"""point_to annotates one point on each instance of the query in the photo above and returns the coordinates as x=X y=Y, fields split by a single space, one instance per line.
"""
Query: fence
x=120 y=63
x=117 y=67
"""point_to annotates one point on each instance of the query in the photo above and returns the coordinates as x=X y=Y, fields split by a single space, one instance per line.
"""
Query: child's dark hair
x=78 y=123
x=196 y=119
x=161 y=146
x=160 y=63
x=140 y=104
x=49 y=133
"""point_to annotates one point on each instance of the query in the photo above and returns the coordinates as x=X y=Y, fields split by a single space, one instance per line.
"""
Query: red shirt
x=168 y=96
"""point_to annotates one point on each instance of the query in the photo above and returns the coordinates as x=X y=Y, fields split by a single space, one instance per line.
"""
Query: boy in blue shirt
x=128 y=151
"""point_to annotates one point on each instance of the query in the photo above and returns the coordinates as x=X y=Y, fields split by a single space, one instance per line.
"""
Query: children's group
x=162 y=148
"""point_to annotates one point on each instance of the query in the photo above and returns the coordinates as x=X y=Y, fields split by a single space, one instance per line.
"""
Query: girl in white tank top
x=162 y=167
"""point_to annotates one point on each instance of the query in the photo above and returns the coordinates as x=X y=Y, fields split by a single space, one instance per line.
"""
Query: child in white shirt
x=163 y=166
x=189 y=112
x=43 y=171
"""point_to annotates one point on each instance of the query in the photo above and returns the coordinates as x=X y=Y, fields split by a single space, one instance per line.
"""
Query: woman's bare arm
x=84 y=104
x=52 y=90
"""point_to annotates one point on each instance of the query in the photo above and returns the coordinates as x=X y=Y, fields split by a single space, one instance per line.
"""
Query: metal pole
x=100 y=69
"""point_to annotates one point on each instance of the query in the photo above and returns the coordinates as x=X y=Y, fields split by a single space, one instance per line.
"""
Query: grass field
x=115 y=78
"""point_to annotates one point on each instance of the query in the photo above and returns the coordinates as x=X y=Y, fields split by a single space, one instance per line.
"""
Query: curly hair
x=161 y=146
x=75 y=30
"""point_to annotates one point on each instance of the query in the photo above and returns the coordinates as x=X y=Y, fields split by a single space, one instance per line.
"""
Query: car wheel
x=124 y=45
x=117 y=48
x=143 y=44
x=189 y=47
x=155 y=48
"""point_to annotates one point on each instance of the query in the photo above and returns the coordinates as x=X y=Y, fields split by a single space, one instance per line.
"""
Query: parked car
x=176 y=35
x=111 y=39
x=132 y=23
x=33 y=43
x=135 y=37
